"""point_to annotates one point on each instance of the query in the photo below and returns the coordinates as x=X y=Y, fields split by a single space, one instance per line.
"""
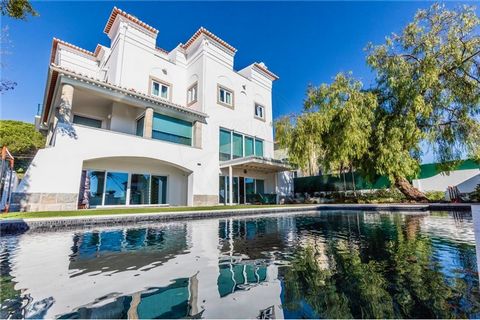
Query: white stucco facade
x=116 y=109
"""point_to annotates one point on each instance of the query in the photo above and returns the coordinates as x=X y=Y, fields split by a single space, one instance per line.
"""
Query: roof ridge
x=203 y=30
x=116 y=11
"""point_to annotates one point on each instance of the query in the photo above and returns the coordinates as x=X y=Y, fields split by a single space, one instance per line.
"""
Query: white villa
x=131 y=124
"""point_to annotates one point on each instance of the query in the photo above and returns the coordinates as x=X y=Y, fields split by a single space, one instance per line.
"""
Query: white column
x=65 y=107
x=190 y=190
x=230 y=185
x=148 y=123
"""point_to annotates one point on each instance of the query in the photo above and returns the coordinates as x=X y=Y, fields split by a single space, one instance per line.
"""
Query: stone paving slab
x=8 y=226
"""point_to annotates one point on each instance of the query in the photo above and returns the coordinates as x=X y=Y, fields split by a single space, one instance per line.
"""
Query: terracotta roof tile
x=210 y=35
x=134 y=19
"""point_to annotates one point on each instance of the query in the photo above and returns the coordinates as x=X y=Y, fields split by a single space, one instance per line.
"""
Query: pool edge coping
x=21 y=225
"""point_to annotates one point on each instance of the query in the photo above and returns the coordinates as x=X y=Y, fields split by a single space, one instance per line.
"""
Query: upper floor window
x=225 y=96
x=171 y=129
x=235 y=145
x=192 y=94
x=86 y=121
x=259 y=111
x=160 y=89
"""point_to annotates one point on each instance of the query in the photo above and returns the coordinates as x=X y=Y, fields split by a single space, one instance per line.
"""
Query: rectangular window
x=259 y=112
x=225 y=145
x=259 y=148
x=161 y=90
x=85 y=121
x=171 y=129
x=140 y=124
x=192 y=94
x=140 y=189
x=225 y=96
x=248 y=146
x=116 y=188
x=158 y=193
x=237 y=146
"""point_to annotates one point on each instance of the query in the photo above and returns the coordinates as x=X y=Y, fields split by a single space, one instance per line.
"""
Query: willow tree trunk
x=409 y=191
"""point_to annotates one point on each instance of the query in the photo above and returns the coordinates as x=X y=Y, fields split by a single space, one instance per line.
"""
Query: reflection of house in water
x=164 y=271
x=124 y=249
x=172 y=301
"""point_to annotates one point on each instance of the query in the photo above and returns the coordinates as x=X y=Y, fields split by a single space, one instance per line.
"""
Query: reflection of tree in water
x=371 y=277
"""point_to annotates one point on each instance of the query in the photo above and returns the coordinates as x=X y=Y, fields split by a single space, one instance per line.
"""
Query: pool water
x=303 y=265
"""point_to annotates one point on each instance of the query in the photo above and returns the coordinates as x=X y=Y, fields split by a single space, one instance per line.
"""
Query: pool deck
x=22 y=225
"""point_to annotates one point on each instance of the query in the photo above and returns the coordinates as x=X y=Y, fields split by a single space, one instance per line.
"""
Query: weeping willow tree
x=428 y=85
x=301 y=136
x=427 y=90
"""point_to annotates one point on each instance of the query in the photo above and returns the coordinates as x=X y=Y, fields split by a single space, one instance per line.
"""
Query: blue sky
x=303 y=42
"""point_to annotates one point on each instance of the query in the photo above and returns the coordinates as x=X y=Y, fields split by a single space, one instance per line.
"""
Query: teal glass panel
x=97 y=181
x=173 y=126
x=249 y=186
x=259 y=148
x=140 y=123
x=260 y=186
x=140 y=189
x=87 y=121
x=225 y=145
x=248 y=146
x=237 y=146
x=238 y=274
x=116 y=188
x=158 y=194
x=171 y=129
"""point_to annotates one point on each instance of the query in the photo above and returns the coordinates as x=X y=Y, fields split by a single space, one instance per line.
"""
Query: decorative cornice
x=263 y=69
x=210 y=35
x=57 y=42
x=116 y=12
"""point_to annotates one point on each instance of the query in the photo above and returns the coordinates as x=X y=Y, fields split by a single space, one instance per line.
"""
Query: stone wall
x=205 y=200
x=43 y=201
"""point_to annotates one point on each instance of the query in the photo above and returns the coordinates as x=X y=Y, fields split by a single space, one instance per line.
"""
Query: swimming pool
x=302 y=265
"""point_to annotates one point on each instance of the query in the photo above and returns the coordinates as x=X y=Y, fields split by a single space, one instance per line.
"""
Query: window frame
x=169 y=86
x=255 y=105
x=194 y=85
x=232 y=93
x=102 y=120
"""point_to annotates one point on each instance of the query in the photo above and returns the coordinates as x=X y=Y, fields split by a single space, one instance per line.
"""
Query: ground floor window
x=242 y=187
x=119 y=188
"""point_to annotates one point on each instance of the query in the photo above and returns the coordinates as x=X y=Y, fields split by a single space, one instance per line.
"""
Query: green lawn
x=95 y=212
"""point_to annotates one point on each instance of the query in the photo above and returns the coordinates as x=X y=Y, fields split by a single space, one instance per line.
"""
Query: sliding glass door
x=120 y=188
x=116 y=188
x=140 y=189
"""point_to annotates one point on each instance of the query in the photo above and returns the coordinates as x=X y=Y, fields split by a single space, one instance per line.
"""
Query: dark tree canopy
x=22 y=140
x=17 y=9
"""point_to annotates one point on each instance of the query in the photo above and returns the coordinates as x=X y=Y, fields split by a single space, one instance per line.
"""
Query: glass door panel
x=158 y=193
x=241 y=188
x=96 y=181
x=116 y=188
x=140 y=189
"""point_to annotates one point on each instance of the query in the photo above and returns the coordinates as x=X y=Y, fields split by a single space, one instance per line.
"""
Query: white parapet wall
x=465 y=180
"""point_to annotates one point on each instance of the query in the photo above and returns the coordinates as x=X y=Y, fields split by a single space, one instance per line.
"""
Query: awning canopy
x=262 y=164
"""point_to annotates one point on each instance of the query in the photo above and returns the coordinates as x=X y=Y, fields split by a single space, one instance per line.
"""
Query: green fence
x=337 y=183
